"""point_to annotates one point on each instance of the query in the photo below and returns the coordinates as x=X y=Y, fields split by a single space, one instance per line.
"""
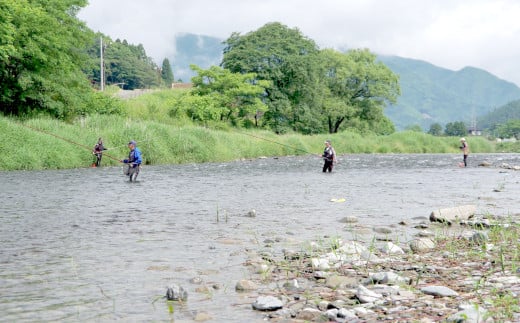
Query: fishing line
x=275 y=142
x=68 y=140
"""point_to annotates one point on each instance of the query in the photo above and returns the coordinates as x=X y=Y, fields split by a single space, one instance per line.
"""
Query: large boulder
x=453 y=214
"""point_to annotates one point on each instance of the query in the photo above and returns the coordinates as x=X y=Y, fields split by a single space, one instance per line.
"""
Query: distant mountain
x=429 y=94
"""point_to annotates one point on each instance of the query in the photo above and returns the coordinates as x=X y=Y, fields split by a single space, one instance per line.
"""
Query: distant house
x=475 y=132
x=177 y=85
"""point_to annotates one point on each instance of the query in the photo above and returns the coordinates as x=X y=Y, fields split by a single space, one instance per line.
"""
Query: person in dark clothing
x=98 y=152
x=133 y=163
x=329 y=157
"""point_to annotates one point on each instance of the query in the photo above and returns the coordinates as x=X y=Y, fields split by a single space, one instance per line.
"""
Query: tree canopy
x=220 y=95
x=284 y=57
x=457 y=128
x=167 y=73
x=313 y=90
x=41 y=57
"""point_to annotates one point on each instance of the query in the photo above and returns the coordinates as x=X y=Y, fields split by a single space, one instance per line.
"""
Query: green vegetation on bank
x=58 y=144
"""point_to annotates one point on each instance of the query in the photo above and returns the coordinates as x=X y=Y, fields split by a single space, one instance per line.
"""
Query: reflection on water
x=86 y=244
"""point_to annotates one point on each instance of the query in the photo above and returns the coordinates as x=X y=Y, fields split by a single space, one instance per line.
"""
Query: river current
x=87 y=245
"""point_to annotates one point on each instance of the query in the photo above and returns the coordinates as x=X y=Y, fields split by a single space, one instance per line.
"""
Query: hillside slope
x=431 y=94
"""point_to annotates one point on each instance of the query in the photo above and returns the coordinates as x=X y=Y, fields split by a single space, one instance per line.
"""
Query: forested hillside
x=429 y=94
x=500 y=115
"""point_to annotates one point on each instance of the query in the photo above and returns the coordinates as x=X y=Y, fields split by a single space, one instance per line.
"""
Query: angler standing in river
x=465 y=150
x=133 y=163
x=98 y=152
x=329 y=157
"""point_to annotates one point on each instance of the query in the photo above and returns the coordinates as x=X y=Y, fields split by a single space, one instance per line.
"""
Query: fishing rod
x=276 y=142
x=68 y=140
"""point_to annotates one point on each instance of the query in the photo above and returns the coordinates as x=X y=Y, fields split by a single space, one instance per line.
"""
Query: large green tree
x=41 y=56
x=167 y=73
x=287 y=59
x=219 y=94
x=457 y=128
x=357 y=89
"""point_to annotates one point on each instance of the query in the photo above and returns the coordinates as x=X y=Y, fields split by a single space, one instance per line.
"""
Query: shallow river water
x=87 y=245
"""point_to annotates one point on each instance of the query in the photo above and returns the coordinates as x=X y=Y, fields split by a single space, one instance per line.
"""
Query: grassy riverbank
x=45 y=143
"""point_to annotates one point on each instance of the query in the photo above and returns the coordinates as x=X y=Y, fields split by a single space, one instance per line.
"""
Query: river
x=87 y=245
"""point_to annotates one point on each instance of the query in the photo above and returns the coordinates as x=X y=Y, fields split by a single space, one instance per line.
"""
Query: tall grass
x=45 y=143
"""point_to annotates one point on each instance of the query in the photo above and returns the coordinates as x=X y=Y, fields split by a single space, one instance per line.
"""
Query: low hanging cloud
x=448 y=33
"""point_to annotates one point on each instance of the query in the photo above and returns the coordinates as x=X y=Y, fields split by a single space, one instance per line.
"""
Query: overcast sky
x=447 y=33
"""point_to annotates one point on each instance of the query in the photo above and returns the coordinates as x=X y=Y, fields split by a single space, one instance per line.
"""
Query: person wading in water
x=465 y=150
x=133 y=163
x=329 y=157
x=98 y=152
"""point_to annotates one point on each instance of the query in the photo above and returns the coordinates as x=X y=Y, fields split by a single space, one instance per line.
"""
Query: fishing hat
x=462 y=139
x=132 y=142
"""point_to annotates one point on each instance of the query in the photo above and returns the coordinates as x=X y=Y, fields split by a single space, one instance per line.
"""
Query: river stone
x=176 y=293
x=441 y=291
x=336 y=281
x=469 y=314
x=202 y=316
x=388 y=277
x=479 y=238
x=365 y=295
x=421 y=245
x=267 y=303
x=349 y=219
x=245 y=285
x=309 y=314
x=391 y=248
x=452 y=214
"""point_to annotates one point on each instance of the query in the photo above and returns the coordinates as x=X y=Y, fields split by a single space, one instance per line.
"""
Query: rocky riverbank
x=460 y=267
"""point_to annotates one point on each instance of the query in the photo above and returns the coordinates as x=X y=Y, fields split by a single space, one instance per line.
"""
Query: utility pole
x=102 y=67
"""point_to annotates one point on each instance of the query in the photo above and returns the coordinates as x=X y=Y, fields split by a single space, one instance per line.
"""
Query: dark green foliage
x=356 y=89
x=166 y=73
x=312 y=91
x=40 y=64
x=287 y=59
x=128 y=66
x=125 y=65
x=435 y=129
x=457 y=128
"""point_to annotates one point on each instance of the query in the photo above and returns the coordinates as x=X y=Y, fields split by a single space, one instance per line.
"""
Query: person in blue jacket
x=133 y=163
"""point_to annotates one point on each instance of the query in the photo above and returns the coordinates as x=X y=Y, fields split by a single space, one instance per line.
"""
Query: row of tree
x=273 y=77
